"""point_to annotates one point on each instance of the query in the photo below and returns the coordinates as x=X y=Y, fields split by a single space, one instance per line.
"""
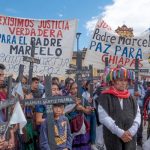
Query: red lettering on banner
x=34 y=32
x=126 y=61
x=12 y=30
x=103 y=24
x=103 y=57
x=112 y=59
x=52 y=33
x=120 y=61
x=133 y=63
x=115 y=60
x=140 y=63
x=67 y=26
x=16 y=22
x=53 y=24
x=59 y=34
x=39 y=32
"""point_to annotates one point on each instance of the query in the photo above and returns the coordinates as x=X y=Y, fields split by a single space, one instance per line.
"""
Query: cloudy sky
x=133 y=13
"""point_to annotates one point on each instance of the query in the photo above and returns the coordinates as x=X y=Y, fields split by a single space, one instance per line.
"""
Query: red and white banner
x=54 y=41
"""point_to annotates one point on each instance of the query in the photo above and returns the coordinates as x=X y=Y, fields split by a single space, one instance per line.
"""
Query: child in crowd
x=40 y=110
x=78 y=121
x=63 y=137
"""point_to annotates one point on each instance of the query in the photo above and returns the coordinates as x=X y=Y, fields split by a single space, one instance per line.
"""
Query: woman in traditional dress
x=80 y=128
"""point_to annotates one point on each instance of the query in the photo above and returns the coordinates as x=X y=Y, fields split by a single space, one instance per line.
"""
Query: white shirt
x=108 y=122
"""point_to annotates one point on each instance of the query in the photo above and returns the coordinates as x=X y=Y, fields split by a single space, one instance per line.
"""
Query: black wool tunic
x=123 y=119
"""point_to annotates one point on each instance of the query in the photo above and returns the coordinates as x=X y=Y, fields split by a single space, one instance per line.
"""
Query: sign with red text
x=119 y=50
x=54 y=41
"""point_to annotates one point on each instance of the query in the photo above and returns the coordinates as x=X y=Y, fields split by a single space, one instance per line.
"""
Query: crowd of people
x=111 y=118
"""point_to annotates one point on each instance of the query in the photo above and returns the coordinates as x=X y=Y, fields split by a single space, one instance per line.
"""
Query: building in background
x=124 y=31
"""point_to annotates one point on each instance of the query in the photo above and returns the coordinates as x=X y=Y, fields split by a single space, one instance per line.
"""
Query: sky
x=133 y=13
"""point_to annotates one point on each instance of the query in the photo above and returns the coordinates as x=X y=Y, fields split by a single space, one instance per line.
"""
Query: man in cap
x=119 y=112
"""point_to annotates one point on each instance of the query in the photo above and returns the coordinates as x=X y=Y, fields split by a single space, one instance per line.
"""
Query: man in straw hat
x=119 y=112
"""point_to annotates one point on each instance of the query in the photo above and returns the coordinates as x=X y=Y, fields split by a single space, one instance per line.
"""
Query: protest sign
x=119 y=50
x=54 y=40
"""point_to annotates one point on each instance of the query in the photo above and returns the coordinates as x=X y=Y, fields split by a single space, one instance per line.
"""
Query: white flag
x=18 y=117
x=18 y=89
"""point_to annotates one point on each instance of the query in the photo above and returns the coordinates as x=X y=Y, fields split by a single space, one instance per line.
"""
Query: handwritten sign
x=51 y=44
x=119 y=50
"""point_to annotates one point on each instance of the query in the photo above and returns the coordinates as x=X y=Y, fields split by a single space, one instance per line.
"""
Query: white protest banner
x=119 y=50
x=54 y=41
